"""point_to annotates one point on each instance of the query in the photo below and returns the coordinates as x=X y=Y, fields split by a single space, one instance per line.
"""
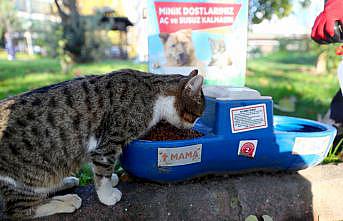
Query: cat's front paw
x=110 y=196
x=59 y=204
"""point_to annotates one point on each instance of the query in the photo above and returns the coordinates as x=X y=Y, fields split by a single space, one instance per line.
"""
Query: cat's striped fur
x=48 y=133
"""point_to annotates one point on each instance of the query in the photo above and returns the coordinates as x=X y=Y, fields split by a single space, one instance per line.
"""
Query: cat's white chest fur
x=164 y=108
x=92 y=143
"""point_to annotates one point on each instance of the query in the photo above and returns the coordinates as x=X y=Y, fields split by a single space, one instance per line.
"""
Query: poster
x=210 y=36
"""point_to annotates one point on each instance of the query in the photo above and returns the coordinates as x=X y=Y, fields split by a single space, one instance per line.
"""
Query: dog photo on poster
x=210 y=36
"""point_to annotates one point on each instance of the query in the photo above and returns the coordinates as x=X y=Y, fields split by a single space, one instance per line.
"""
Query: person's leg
x=336 y=116
x=336 y=109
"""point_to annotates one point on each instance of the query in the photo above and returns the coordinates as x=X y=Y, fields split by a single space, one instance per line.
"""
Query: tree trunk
x=9 y=41
x=321 y=65
x=73 y=29
x=10 y=47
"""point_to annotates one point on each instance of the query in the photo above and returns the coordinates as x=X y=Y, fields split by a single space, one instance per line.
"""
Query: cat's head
x=189 y=103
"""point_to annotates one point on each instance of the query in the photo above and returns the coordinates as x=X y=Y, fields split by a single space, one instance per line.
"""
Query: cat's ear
x=164 y=37
x=193 y=73
x=194 y=85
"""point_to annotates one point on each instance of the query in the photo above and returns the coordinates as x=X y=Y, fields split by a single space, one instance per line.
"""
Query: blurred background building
x=37 y=18
x=122 y=28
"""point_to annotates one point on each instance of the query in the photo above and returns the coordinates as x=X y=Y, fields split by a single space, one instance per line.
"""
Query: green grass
x=85 y=175
x=23 y=75
x=279 y=75
x=286 y=57
x=277 y=78
x=332 y=156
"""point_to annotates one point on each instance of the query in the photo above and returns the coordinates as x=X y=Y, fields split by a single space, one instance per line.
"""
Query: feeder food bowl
x=237 y=133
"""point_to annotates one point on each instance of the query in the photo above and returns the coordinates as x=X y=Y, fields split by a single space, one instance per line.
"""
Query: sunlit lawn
x=282 y=75
x=23 y=75
x=279 y=75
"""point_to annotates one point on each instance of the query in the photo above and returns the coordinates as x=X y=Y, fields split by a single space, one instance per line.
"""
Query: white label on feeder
x=179 y=155
x=310 y=145
x=248 y=118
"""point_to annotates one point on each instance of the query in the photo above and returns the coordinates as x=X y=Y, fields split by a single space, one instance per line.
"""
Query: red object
x=325 y=21
x=174 y=16
x=247 y=149
x=339 y=50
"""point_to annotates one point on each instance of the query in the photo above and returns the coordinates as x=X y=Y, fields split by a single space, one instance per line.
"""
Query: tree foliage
x=260 y=10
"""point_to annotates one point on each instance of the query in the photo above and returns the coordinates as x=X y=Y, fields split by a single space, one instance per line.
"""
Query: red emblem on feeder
x=247 y=148
x=164 y=157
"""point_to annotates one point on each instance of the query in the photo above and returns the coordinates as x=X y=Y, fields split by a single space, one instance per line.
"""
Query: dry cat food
x=165 y=131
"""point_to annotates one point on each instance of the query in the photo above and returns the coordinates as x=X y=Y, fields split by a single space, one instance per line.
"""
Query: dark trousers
x=336 y=108
x=336 y=114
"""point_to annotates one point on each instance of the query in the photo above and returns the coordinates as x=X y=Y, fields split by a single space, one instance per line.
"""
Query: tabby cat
x=48 y=133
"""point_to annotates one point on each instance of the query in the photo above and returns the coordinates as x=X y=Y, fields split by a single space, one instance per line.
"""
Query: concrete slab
x=281 y=196
x=327 y=191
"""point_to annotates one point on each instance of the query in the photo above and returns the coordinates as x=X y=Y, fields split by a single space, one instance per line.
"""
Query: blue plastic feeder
x=240 y=135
